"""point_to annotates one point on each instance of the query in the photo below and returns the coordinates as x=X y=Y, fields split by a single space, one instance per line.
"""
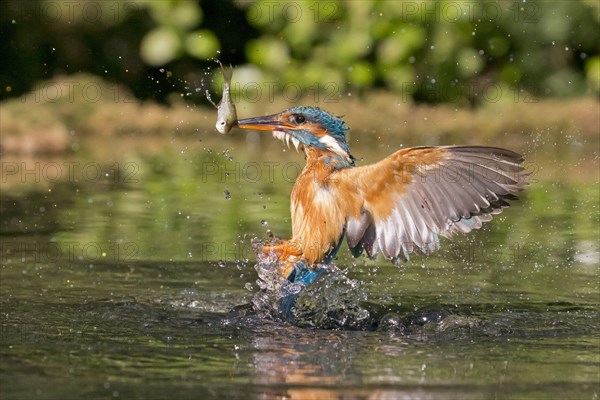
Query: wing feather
x=418 y=194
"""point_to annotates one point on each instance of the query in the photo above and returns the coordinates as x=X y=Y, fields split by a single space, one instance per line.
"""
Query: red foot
x=287 y=252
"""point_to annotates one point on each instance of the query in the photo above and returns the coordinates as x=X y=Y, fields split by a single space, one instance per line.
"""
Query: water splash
x=324 y=297
x=332 y=302
x=320 y=298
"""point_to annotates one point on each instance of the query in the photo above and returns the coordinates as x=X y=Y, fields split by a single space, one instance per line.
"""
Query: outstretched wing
x=417 y=194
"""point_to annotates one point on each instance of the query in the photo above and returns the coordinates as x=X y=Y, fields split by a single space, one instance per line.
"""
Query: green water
x=135 y=283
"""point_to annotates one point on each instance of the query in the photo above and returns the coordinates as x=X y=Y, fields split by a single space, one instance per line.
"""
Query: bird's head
x=309 y=127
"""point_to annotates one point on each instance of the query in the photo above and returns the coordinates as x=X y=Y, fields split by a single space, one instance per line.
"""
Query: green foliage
x=422 y=47
x=432 y=50
x=172 y=37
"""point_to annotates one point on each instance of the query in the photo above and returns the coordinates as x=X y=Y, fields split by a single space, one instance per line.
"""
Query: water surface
x=138 y=283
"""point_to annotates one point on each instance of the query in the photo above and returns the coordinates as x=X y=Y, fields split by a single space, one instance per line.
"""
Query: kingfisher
x=397 y=206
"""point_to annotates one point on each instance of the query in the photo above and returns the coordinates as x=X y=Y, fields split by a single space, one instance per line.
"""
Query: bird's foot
x=286 y=251
x=283 y=250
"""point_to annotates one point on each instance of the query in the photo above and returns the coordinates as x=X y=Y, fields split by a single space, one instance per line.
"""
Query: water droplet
x=221 y=264
x=227 y=194
x=264 y=223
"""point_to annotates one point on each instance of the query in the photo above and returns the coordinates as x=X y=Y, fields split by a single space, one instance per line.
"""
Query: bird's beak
x=265 y=123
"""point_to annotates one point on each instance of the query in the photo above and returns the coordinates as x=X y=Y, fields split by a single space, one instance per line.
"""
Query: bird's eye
x=299 y=118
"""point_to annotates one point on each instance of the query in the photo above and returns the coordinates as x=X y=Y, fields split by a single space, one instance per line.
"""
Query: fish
x=226 y=113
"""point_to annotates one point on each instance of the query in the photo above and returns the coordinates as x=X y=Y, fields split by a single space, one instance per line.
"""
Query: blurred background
x=411 y=67
x=545 y=49
x=126 y=220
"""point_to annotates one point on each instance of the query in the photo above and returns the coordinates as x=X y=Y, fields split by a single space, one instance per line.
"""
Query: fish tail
x=227 y=73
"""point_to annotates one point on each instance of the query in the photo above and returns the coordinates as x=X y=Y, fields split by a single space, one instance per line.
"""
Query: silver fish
x=226 y=113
